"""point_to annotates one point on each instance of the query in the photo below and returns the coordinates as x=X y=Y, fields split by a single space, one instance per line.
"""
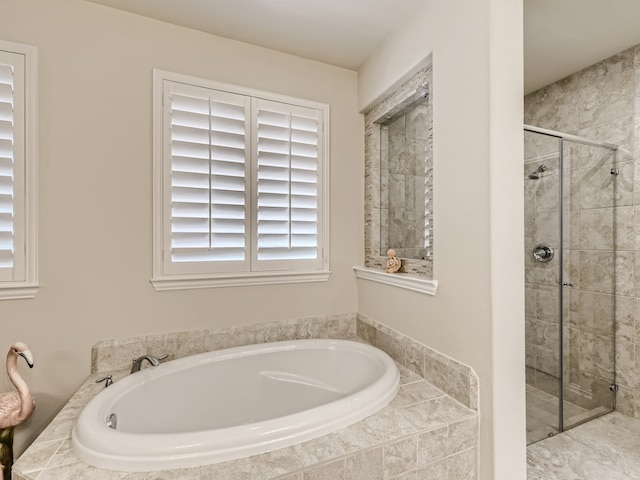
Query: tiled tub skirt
x=424 y=433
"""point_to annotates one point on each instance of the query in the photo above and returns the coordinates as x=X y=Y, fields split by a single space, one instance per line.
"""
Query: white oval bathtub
x=233 y=403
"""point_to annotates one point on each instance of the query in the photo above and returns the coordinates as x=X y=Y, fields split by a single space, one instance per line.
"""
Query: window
x=17 y=171
x=239 y=186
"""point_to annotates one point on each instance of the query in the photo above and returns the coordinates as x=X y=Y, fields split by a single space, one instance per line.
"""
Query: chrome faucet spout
x=154 y=361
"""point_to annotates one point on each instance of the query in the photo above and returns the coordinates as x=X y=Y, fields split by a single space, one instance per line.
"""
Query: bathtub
x=233 y=403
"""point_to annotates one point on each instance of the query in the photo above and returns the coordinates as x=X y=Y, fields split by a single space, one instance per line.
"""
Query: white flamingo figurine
x=15 y=407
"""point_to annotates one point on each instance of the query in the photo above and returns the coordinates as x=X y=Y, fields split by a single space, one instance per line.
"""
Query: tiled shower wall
x=601 y=102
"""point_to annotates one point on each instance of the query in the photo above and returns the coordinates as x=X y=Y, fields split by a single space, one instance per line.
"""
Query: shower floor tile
x=605 y=448
x=542 y=414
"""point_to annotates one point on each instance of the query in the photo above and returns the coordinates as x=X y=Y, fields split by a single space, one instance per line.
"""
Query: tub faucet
x=154 y=361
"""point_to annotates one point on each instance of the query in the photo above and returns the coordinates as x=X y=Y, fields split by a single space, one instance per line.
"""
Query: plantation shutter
x=209 y=148
x=6 y=170
x=238 y=185
x=288 y=150
x=12 y=161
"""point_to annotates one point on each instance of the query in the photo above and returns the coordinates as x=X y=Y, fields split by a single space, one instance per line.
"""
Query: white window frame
x=167 y=278
x=21 y=281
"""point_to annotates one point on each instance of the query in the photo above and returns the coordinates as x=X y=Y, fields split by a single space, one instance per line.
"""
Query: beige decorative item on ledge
x=15 y=407
x=394 y=263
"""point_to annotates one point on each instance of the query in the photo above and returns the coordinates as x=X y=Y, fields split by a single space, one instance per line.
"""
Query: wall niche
x=399 y=177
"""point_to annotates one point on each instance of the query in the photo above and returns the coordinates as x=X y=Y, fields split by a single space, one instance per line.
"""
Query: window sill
x=237 y=280
x=18 y=291
x=400 y=280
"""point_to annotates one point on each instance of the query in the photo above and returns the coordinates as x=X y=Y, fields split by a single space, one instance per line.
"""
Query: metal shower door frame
x=562 y=137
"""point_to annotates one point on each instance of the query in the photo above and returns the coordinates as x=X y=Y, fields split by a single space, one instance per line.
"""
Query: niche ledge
x=400 y=280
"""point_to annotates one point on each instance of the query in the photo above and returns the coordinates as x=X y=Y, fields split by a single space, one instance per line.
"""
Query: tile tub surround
x=454 y=378
x=110 y=355
x=424 y=433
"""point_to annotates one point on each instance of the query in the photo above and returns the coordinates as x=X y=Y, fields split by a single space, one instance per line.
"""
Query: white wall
x=95 y=200
x=477 y=316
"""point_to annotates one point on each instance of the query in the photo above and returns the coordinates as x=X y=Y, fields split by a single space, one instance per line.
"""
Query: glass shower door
x=574 y=253
x=543 y=261
x=590 y=255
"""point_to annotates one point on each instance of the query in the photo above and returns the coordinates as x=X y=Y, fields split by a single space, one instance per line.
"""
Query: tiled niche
x=399 y=165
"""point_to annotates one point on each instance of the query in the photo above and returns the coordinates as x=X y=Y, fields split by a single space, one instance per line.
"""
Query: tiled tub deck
x=424 y=433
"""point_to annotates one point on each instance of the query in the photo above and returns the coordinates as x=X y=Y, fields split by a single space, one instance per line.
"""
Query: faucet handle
x=108 y=380
x=161 y=357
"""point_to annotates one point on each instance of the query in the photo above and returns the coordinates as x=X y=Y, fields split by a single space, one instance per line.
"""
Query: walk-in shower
x=570 y=279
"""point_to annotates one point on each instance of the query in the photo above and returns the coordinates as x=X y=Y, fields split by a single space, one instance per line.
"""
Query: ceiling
x=560 y=37
x=337 y=32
